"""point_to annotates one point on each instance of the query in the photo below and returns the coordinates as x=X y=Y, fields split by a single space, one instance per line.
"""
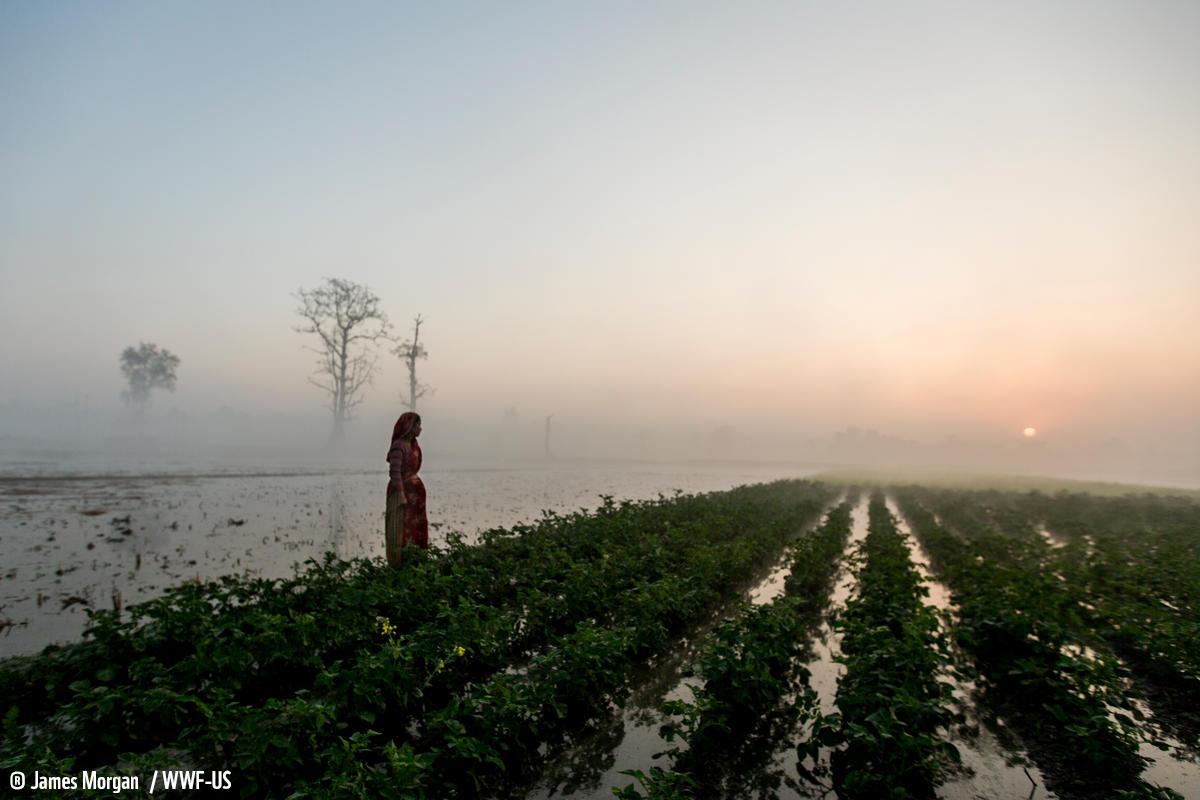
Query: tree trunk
x=339 y=413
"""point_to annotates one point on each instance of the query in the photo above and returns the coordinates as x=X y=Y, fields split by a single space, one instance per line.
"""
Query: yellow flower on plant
x=459 y=650
x=441 y=665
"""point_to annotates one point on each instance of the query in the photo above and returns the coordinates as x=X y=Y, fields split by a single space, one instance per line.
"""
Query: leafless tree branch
x=409 y=351
x=347 y=319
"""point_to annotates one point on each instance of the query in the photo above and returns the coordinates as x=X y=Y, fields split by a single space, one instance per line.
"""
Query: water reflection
x=338 y=535
x=58 y=539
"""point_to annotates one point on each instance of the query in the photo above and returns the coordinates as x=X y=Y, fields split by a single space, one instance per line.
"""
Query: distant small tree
x=409 y=351
x=146 y=368
x=347 y=320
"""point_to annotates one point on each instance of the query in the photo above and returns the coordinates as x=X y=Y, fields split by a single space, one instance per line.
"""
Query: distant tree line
x=348 y=322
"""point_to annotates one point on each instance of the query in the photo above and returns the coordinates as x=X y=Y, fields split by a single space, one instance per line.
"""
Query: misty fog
x=744 y=238
x=73 y=438
x=808 y=394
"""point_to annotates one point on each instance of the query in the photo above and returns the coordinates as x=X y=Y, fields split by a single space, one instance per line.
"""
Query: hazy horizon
x=686 y=230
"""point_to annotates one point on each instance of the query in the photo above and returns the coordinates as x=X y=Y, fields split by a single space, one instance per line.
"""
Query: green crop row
x=755 y=695
x=445 y=677
x=1020 y=624
x=1130 y=564
x=515 y=716
x=1136 y=560
x=891 y=701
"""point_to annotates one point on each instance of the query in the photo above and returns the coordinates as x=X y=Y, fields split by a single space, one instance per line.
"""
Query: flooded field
x=992 y=758
x=793 y=639
x=632 y=737
x=990 y=769
x=80 y=537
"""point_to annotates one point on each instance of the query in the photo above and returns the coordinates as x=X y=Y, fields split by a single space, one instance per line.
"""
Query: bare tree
x=409 y=351
x=348 y=321
x=147 y=368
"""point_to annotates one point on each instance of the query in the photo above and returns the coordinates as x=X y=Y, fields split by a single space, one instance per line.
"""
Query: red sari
x=406 y=524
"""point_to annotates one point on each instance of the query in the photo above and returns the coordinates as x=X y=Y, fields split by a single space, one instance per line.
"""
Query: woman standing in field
x=405 y=523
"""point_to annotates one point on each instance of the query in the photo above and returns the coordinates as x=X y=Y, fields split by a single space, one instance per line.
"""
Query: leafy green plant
x=1019 y=625
x=490 y=654
x=893 y=703
x=755 y=698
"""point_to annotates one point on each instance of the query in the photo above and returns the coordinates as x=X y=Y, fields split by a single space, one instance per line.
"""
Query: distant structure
x=346 y=318
x=146 y=368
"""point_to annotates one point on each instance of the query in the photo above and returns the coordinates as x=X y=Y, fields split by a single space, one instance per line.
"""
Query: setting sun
x=1030 y=433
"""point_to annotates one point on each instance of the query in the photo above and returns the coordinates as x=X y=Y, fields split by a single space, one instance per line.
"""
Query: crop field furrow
x=833 y=649
x=1126 y=600
x=576 y=681
x=352 y=675
x=825 y=668
x=989 y=767
x=1020 y=625
x=632 y=737
x=1137 y=573
x=755 y=699
x=892 y=704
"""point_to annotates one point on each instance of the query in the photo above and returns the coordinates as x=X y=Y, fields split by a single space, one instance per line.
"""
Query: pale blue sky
x=926 y=217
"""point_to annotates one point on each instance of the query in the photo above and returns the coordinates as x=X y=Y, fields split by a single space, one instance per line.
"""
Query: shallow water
x=939 y=594
x=773 y=586
x=824 y=669
x=1172 y=765
x=1055 y=542
x=631 y=739
x=992 y=769
x=75 y=538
